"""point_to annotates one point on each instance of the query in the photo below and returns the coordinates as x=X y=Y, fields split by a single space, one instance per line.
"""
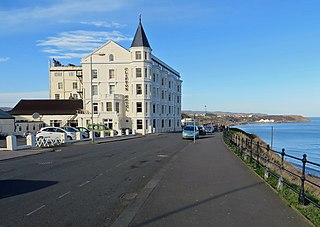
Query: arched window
x=111 y=57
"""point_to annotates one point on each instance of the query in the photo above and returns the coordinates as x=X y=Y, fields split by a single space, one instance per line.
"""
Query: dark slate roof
x=140 y=38
x=47 y=107
x=5 y=115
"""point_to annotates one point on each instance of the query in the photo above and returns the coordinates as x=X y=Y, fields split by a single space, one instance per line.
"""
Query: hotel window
x=145 y=72
x=111 y=74
x=117 y=107
x=94 y=89
x=162 y=94
x=139 y=107
x=169 y=97
x=109 y=106
x=162 y=123
x=95 y=108
x=178 y=88
x=169 y=123
x=139 y=124
x=154 y=123
x=57 y=73
x=111 y=57
x=112 y=89
x=56 y=96
x=162 y=81
x=75 y=85
x=139 y=89
x=138 y=72
x=169 y=84
x=154 y=77
x=154 y=108
x=71 y=73
x=146 y=108
x=60 y=85
x=138 y=55
x=94 y=74
x=169 y=109
x=146 y=89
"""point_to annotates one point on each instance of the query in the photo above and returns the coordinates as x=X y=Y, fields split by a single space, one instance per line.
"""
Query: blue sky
x=259 y=56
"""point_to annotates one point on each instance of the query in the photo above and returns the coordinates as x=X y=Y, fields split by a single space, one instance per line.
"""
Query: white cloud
x=53 y=11
x=11 y=99
x=4 y=59
x=77 y=44
x=103 y=24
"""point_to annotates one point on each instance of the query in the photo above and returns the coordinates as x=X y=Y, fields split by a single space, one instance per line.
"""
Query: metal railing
x=275 y=164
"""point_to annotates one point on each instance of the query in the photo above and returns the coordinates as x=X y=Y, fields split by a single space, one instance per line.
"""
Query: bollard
x=31 y=140
x=112 y=133
x=303 y=178
x=102 y=134
x=127 y=131
x=280 y=180
x=11 y=142
x=133 y=131
x=63 y=137
x=78 y=136
x=91 y=135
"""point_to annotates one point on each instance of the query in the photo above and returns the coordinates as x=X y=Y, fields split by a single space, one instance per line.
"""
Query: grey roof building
x=140 y=38
x=5 y=115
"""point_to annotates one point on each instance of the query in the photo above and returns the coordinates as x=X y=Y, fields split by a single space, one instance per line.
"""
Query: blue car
x=189 y=132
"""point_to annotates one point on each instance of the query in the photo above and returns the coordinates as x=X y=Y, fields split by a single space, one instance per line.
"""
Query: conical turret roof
x=140 y=38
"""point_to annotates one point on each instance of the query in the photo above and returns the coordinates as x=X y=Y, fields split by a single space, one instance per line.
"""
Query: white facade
x=124 y=88
x=65 y=82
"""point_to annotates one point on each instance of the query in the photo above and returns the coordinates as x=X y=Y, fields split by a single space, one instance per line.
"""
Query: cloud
x=11 y=99
x=77 y=44
x=103 y=24
x=4 y=59
x=53 y=11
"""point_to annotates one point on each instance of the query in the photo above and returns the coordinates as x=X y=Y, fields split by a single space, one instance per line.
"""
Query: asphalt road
x=81 y=185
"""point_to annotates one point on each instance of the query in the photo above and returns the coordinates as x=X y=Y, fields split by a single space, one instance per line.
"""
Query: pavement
x=207 y=185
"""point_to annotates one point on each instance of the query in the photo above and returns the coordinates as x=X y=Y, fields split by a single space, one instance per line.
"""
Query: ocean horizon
x=296 y=138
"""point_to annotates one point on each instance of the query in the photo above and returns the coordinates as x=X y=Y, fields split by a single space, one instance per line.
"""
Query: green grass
x=309 y=211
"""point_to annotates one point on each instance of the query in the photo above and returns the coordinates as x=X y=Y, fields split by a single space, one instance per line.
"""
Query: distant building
x=6 y=123
x=122 y=88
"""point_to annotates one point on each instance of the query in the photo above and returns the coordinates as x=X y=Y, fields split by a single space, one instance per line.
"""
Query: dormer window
x=111 y=57
x=138 y=55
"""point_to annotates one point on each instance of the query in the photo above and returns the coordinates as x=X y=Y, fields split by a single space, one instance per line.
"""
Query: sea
x=296 y=138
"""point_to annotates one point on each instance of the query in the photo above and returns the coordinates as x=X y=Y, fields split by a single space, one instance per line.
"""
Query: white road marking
x=87 y=182
x=63 y=195
x=32 y=212
x=133 y=158
x=120 y=164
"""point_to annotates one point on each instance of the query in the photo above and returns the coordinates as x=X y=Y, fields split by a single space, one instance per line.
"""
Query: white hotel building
x=124 y=88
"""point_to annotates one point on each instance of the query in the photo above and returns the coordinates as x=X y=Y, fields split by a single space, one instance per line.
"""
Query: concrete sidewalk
x=207 y=185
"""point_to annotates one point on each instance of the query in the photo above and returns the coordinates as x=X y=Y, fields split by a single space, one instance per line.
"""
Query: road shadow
x=152 y=220
x=9 y=188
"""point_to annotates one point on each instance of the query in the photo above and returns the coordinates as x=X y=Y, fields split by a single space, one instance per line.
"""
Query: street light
x=100 y=54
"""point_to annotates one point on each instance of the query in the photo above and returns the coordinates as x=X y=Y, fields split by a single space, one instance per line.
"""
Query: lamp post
x=91 y=95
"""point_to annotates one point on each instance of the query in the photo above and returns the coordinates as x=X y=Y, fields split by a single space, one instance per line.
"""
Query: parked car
x=202 y=130
x=209 y=129
x=86 y=132
x=54 y=133
x=72 y=130
x=99 y=128
x=189 y=132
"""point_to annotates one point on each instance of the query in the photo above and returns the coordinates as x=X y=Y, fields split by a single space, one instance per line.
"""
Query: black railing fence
x=276 y=165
